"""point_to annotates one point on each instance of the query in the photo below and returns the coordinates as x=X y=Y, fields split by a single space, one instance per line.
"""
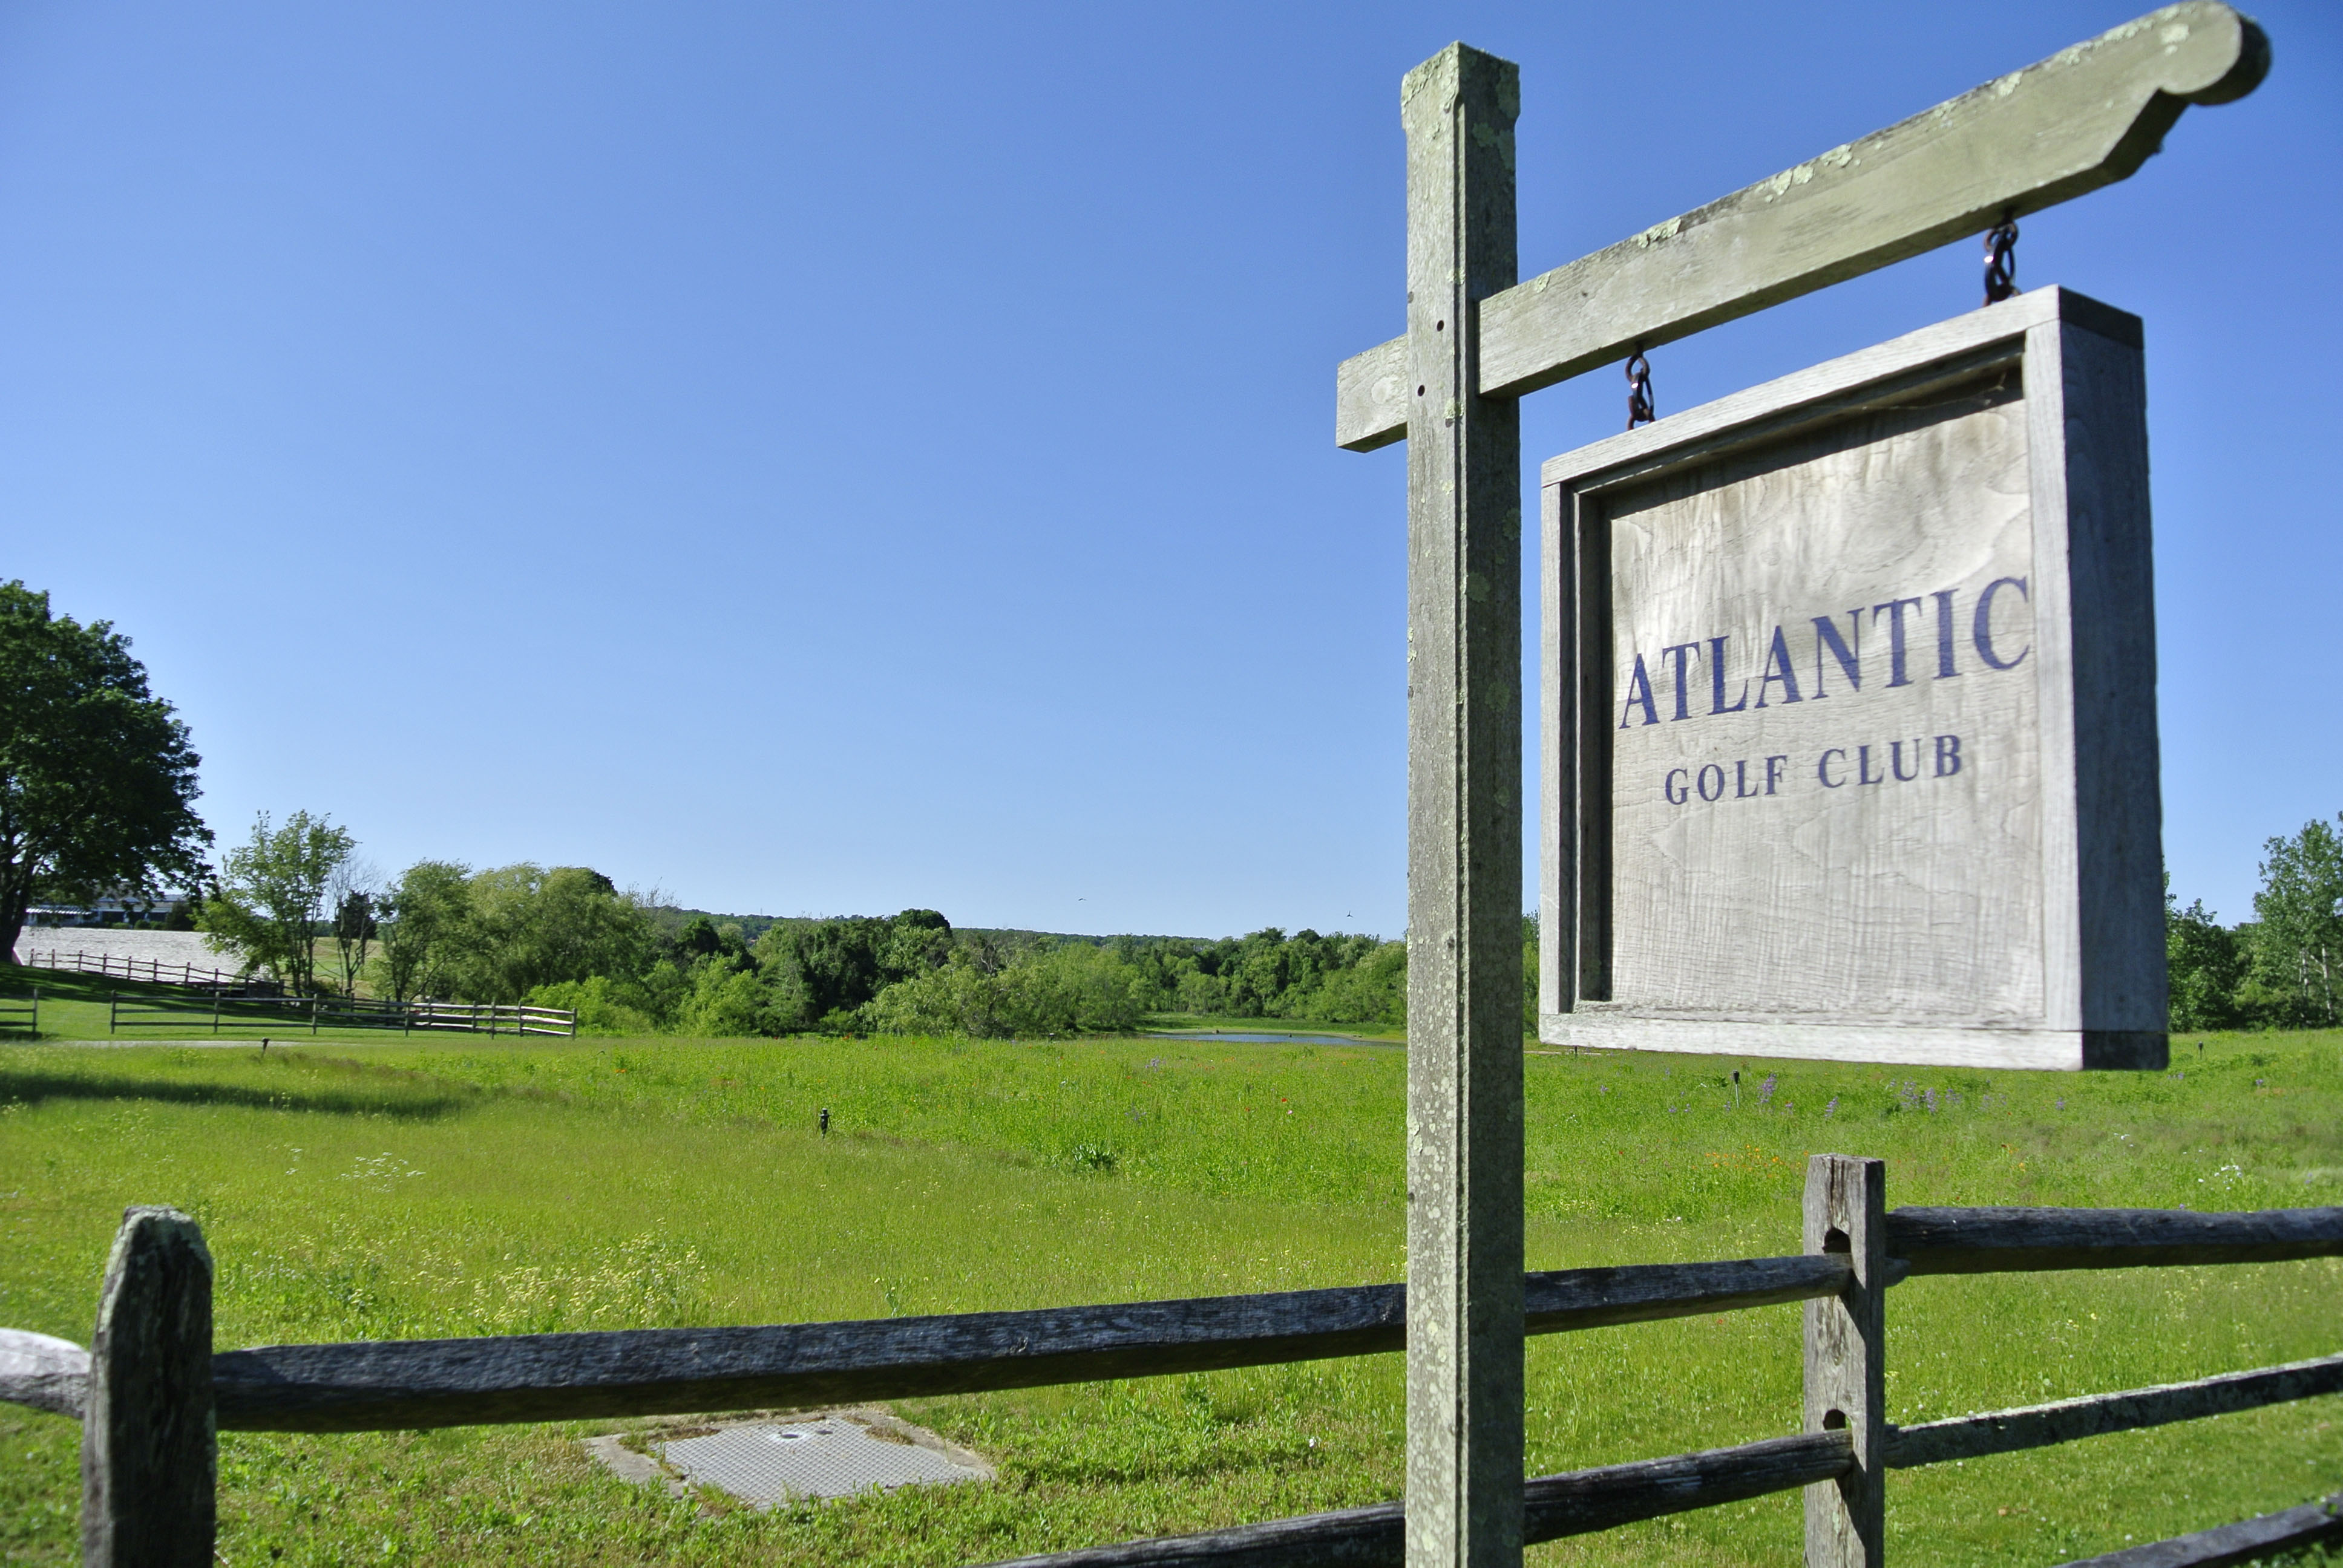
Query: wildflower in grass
x=1832 y=1109
x=1765 y=1089
x=1931 y=1095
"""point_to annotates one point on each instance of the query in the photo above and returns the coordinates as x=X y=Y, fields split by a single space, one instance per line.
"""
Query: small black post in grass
x=264 y=1045
x=824 y=1120
x=1736 y=1089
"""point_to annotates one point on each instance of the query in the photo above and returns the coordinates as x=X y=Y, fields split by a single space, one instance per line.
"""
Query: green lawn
x=461 y=1185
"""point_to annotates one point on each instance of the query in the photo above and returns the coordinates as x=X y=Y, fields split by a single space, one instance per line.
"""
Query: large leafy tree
x=529 y=927
x=426 y=920
x=272 y=896
x=2206 y=963
x=97 y=781
x=2298 y=940
x=819 y=971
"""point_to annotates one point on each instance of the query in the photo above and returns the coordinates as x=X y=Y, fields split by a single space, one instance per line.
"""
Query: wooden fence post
x=1846 y=1387
x=1464 y=1303
x=149 y=1452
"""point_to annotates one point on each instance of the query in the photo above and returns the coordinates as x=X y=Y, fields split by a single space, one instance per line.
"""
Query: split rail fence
x=122 y=966
x=150 y=1390
x=225 y=1004
x=20 y=1011
x=221 y=1014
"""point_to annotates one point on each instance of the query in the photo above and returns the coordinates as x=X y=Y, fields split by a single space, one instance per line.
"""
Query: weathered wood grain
x=1589 y=1500
x=1845 y=1360
x=1937 y=1241
x=398 y=1383
x=2065 y=1419
x=43 y=1371
x=2087 y=116
x=2228 y=1543
x=2101 y=569
x=1464 y=1359
x=2001 y=911
x=1569 y=1299
x=1554 y=1506
x=149 y=1456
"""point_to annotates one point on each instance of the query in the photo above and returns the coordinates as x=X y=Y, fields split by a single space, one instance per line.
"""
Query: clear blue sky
x=827 y=459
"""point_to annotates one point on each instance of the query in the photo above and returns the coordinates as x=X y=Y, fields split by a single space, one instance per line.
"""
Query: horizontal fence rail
x=20 y=1012
x=2065 y=1419
x=1999 y=1241
x=491 y=1018
x=44 y=1371
x=1578 y=1504
x=404 y=1384
x=2229 y=1543
x=378 y=1385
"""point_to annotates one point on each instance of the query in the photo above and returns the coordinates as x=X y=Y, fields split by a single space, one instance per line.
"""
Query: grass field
x=392 y=1189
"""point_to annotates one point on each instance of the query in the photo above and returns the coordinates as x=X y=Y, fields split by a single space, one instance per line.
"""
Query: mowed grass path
x=401 y=1189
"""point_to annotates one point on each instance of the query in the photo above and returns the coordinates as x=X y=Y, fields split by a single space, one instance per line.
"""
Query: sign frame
x=2103 y=999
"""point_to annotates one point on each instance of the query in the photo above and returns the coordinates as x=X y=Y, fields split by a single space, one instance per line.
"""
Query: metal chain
x=1639 y=390
x=2000 y=262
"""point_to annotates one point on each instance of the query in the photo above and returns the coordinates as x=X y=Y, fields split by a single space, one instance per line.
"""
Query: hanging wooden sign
x=1850 y=745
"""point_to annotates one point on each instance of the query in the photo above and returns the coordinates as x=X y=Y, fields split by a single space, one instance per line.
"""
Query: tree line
x=914 y=973
x=568 y=937
x=97 y=791
x=2284 y=968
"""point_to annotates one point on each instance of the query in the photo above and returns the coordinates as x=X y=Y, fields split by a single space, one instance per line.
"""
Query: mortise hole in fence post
x=1846 y=1213
x=149 y=1449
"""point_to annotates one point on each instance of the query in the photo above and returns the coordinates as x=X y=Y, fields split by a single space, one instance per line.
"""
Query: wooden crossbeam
x=2087 y=116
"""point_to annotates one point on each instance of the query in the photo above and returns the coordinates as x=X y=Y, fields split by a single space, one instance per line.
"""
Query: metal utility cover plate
x=829 y=1457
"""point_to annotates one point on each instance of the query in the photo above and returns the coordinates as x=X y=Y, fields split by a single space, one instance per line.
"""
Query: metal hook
x=1639 y=390
x=2001 y=262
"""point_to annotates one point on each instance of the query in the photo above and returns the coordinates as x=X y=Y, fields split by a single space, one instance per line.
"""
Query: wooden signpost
x=1476 y=340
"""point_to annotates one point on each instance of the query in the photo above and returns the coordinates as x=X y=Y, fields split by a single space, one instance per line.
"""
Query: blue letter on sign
x=1850 y=659
x=1893 y=610
x=1777 y=669
x=1983 y=636
x=1639 y=689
